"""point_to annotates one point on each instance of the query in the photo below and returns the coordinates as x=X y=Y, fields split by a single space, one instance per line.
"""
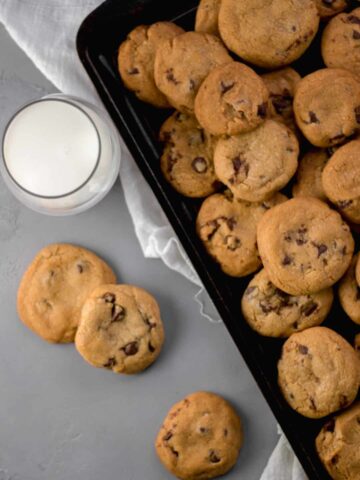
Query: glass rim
x=49 y=99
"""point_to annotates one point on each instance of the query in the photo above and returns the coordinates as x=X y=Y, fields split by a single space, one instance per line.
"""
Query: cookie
x=328 y=8
x=349 y=293
x=207 y=17
x=257 y=164
x=54 y=288
x=227 y=228
x=281 y=85
x=309 y=175
x=120 y=329
x=274 y=313
x=304 y=245
x=232 y=99
x=338 y=443
x=200 y=437
x=269 y=34
x=182 y=64
x=327 y=106
x=136 y=59
x=341 y=41
x=319 y=372
x=341 y=180
x=187 y=159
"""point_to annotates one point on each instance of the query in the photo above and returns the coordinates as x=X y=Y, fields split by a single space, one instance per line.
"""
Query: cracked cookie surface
x=327 y=106
x=340 y=42
x=227 y=228
x=309 y=175
x=187 y=159
x=232 y=99
x=274 y=313
x=349 y=292
x=257 y=164
x=338 y=445
x=200 y=438
x=207 y=17
x=182 y=64
x=267 y=33
x=341 y=180
x=120 y=329
x=319 y=372
x=136 y=59
x=304 y=245
x=55 y=285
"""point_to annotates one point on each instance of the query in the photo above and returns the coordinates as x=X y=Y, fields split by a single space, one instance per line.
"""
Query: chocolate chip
x=225 y=87
x=313 y=118
x=329 y=426
x=192 y=85
x=262 y=110
x=173 y=451
x=167 y=436
x=118 y=313
x=131 y=349
x=231 y=223
x=240 y=164
x=166 y=137
x=225 y=432
x=250 y=290
x=110 y=363
x=308 y=308
x=281 y=102
x=150 y=324
x=109 y=297
x=171 y=162
x=312 y=403
x=213 y=457
x=170 y=76
x=80 y=268
x=287 y=260
x=204 y=430
x=356 y=36
x=342 y=204
x=199 y=164
x=295 y=325
x=303 y=349
x=266 y=307
x=353 y=19
x=334 y=459
x=151 y=347
x=133 y=71
x=232 y=242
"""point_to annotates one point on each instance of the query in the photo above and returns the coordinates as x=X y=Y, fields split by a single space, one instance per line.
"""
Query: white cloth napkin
x=46 y=31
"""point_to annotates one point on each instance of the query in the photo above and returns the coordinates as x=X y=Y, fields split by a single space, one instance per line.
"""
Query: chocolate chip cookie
x=137 y=56
x=54 y=288
x=268 y=34
x=200 y=438
x=182 y=64
x=304 y=245
x=319 y=372
x=341 y=41
x=338 y=445
x=187 y=159
x=207 y=17
x=257 y=164
x=328 y=8
x=309 y=175
x=227 y=227
x=327 y=106
x=274 y=313
x=232 y=99
x=349 y=293
x=281 y=85
x=120 y=329
x=341 y=180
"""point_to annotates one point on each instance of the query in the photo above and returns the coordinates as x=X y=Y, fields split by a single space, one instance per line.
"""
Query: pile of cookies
x=238 y=137
x=69 y=294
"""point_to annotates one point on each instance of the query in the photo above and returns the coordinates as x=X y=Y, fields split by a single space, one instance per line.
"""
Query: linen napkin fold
x=46 y=30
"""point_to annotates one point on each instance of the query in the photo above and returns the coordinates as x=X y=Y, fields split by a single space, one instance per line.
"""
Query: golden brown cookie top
x=54 y=287
x=309 y=175
x=207 y=17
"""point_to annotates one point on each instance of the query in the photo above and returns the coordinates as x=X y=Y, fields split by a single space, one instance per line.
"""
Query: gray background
x=61 y=419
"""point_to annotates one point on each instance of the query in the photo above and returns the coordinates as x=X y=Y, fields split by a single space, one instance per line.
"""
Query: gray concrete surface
x=61 y=419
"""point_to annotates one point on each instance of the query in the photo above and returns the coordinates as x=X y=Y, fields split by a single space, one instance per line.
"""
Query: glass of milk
x=60 y=155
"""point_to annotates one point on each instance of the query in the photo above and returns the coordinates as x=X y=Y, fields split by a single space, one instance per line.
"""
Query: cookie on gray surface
x=200 y=437
x=309 y=175
x=187 y=158
x=227 y=227
x=136 y=59
x=232 y=99
x=257 y=164
x=274 y=313
x=319 y=372
x=54 y=287
x=349 y=292
x=304 y=245
x=120 y=329
x=268 y=34
x=182 y=64
x=338 y=443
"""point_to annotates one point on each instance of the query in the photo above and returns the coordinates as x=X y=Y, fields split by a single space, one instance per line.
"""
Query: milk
x=60 y=155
